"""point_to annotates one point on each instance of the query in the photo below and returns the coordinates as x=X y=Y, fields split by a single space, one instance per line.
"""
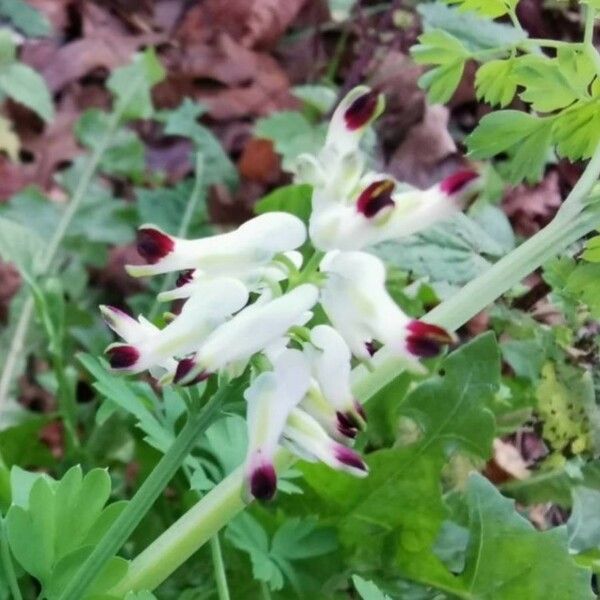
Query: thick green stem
x=7 y=564
x=144 y=498
x=219 y=568
x=46 y=261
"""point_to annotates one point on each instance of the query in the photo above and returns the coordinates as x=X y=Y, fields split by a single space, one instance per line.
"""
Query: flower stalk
x=224 y=502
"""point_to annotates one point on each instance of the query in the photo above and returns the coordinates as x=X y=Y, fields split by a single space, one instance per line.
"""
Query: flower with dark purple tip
x=426 y=340
x=375 y=198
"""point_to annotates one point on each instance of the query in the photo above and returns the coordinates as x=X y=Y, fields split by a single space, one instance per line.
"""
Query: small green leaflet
x=273 y=561
x=183 y=121
x=25 y=18
x=20 y=245
x=22 y=83
x=495 y=83
x=53 y=531
x=440 y=48
x=583 y=525
x=293 y=198
x=486 y=8
x=475 y=32
x=368 y=590
x=577 y=130
x=132 y=83
x=292 y=134
x=525 y=138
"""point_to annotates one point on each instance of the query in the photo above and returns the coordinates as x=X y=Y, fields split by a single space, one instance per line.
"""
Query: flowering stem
x=46 y=262
x=219 y=568
x=224 y=502
x=145 y=497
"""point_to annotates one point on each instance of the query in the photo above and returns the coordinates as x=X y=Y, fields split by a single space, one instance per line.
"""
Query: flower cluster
x=246 y=294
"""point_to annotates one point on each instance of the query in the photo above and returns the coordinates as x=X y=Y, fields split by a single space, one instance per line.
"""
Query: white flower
x=330 y=399
x=200 y=315
x=377 y=213
x=137 y=333
x=360 y=308
x=253 y=244
x=249 y=332
x=256 y=278
x=304 y=436
x=271 y=397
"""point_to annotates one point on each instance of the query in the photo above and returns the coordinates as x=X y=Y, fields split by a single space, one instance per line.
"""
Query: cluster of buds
x=240 y=301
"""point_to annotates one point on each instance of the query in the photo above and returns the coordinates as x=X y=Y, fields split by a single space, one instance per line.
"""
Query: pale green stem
x=46 y=261
x=184 y=226
x=7 y=564
x=224 y=502
x=144 y=498
x=219 y=568
x=264 y=591
x=588 y=39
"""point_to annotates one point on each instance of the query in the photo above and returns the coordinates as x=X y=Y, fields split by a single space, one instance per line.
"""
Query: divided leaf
x=54 y=532
x=526 y=140
x=437 y=47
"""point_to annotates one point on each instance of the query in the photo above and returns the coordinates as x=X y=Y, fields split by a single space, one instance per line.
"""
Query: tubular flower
x=271 y=398
x=249 y=332
x=330 y=399
x=200 y=315
x=377 y=213
x=234 y=308
x=256 y=279
x=253 y=244
x=352 y=210
x=359 y=307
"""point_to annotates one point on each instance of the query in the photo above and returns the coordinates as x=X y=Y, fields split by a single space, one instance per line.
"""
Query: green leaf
x=125 y=156
x=293 y=198
x=552 y=84
x=495 y=83
x=132 y=83
x=295 y=540
x=437 y=47
x=583 y=525
x=368 y=590
x=165 y=207
x=508 y=558
x=475 y=32
x=20 y=246
x=451 y=410
x=555 y=486
x=486 y=8
x=25 y=18
x=455 y=252
x=577 y=130
x=52 y=535
x=27 y=87
x=183 y=121
x=525 y=138
x=584 y=284
x=292 y=135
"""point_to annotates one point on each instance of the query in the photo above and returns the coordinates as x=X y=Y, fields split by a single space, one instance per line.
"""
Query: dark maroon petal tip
x=425 y=340
x=153 y=244
x=457 y=182
x=371 y=347
x=263 y=482
x=347 y=424
x=361 y=111
x=349 y=458
x=184 y=278
x=375 y=198
x=122 y=356
x=184 y=367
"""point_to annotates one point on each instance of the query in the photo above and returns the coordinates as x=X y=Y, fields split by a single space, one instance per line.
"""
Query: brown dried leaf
x=531 y=207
